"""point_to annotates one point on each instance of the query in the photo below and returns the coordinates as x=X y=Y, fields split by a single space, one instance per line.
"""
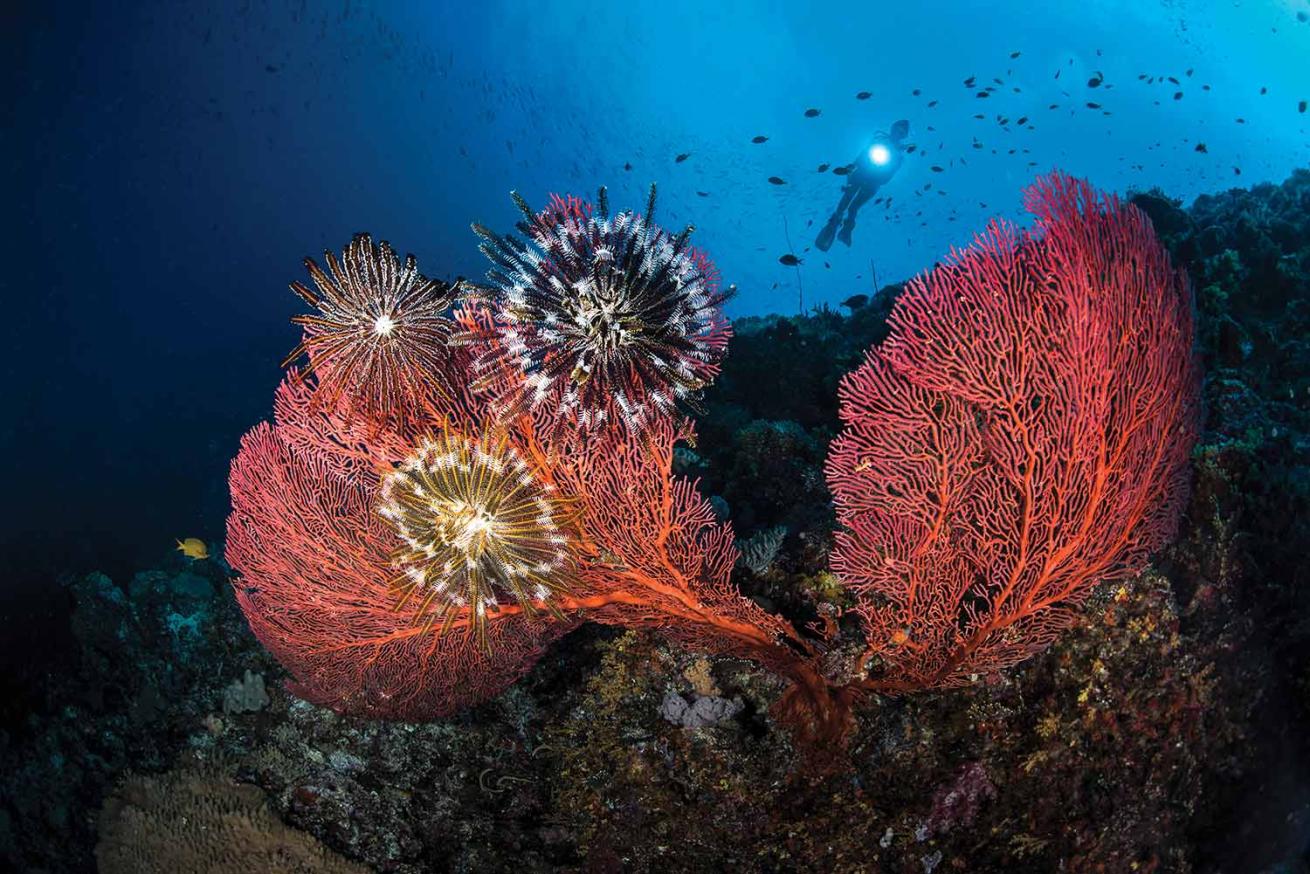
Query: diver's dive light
x=879 y=154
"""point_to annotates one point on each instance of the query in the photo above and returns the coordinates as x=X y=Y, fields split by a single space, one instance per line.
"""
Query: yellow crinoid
x=476 y=523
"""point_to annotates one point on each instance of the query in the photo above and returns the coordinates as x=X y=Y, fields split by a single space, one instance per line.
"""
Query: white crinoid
x=609 y=319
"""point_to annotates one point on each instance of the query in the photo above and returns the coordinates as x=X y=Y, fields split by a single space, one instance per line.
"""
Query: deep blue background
x=166 y=166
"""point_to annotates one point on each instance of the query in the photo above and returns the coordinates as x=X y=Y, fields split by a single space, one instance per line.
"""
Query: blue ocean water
x=167 y=165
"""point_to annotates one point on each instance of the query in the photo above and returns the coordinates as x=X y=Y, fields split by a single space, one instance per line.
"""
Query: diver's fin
x=824 y=241
x=845 y=233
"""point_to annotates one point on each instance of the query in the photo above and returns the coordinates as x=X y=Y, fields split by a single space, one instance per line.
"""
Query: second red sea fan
x=1020 y=437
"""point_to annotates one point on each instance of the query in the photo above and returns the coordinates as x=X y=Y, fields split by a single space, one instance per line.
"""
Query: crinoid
x=610 y=319
x=378 y=340
x=474 y=522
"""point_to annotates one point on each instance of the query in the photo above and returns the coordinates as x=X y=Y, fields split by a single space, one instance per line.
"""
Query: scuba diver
x=876 y=165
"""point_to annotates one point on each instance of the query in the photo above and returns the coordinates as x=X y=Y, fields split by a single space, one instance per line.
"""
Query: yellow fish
x=193 y=548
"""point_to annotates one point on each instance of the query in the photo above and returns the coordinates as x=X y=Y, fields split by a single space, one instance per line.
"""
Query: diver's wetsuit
x=865 y=180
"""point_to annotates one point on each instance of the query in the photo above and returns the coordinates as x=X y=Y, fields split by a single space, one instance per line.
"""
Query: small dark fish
x=1200 y=147
x=759 y=139
x=1264 y=89
x=684 y=156
x=855 y=301
x=1054 y=106
x=1189 y=72
x=789 y=260
x=910 y=150
x=1057 y=74
x=1014 y=55
x=932 y=103
x=703 y=193
x=627 y=166
x=968 y=83
x=1241 y=120
x=917 y=91
x=812 y=113
x=1023 y=119
x=841 y=171
x=1300 y=107
x=1095 y=81
x=1302 y=16
x=827 y=266
x=1205 y=87
x=1237 y=171
x=776 y=181
x=982 y=94
x=1173 y=80
x=1091 y=105
x=823 y=168
x=1178 y=95
x=270 y=68
x=936 y=169
x=864 y=95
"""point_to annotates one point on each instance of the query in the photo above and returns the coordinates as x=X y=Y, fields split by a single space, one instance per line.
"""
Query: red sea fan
x=1021 y=436
x=316 y=567
x=612 y=321
x=657 y=554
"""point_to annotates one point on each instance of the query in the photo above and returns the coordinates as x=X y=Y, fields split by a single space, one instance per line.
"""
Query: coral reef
x=1164 y=732
x=1017 y=438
